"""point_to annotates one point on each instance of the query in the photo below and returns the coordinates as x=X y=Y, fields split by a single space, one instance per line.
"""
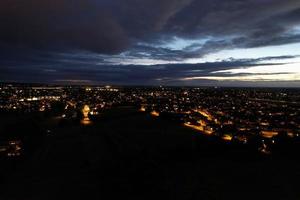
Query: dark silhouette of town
x=108 y=142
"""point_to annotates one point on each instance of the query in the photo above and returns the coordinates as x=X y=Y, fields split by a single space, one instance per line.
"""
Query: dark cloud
x=63 y=38
x=82 y=70
x=113 y=26
x=60 y=24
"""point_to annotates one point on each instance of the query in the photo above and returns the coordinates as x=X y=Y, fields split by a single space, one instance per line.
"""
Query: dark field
x=130 y=155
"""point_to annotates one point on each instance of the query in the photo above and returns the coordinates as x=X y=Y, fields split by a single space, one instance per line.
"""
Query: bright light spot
x=142 y=109
x=269 y=134
x=155 y=113
x=227 y=137
x=85 y=111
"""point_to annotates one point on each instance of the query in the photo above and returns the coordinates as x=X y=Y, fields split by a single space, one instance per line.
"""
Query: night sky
x=151 y=42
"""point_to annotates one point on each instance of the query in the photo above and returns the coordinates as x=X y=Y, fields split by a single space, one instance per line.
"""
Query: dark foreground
x=132 y=155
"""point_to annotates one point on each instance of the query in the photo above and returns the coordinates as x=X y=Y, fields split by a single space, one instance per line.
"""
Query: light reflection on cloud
x=255 y=77
x=287 y=72
x=293 y=68
x=252 y=53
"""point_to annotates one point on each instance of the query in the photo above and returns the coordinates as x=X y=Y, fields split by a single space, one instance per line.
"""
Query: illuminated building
x=85 y=111
x=155 y=113
x=269 y=134
x=227 y=137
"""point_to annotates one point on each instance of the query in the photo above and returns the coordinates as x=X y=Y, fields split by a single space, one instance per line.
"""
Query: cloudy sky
x=151 y=42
